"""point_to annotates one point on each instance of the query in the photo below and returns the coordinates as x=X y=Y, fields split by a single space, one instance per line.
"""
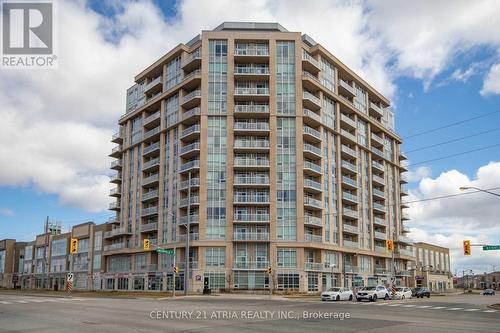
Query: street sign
x=491 y=247
x=166 y=251
x=70 y=277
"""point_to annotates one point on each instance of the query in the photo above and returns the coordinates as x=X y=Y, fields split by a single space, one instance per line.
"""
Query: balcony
x=350 y=197
x=403 y=239
x=251 y=93
x=311 y=134
x=251 y=218
x=313 y=238
x=113 y=220
x=193 y=236
x=349 y=182
x=311 y=168
x=191 y=99
x=403 y=179
x=349 y=152
x=378 y=193
x=377 y=165
x=116 y=233
x=149 y=211
x=377 y=139
x=349 y=136
x=251 y=128
x=312 y=185
x=191 y=80
x=153 y=149
x=311 y=118
x=379 y=180
x=405 y=216
x=403 y=273
x=186 y=184
x=146 y=196
x=252 y=53
x=310 y=101
x=351 y=213
x=251 y=73
x=312 y=203
x=252 y=109
x=251 y=180
x=250 y=236
x=191 y=132
x=251 y=163
x=309 y=63
x=404 y=252
x=310 y=81
x=313 y=221
x=380 y=235
x=349 y=269
x=351 y=244
x=346 y=88
x=153 y=134
x=314 y=266
x=251 y=144
x=311 y=151
x=151 y=180
x=348 y=166
x=116 y=152
x=114 y=247
x=379 y=207
x=151 y=164
x=152 y=120
x=350 y=229
x=251 y=265
x=115 y=192
x=376 y=110
x=193 y=60
x=114 y=206
x=380 y=221
x=251 y=198
x=381 y=270
x=116 y=179
x=149 y=227
x=349 y=122
x=154 y=85
x=193 y=201
x=191 y=219
x=378 y=152
x=191 y=116
x=402 y=156
x=190 y=150
x=191 y=165
x=117 y=138
x=380 y=249
x=116 y=165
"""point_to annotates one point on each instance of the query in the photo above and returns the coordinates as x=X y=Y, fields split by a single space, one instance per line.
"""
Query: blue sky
x=433 y=72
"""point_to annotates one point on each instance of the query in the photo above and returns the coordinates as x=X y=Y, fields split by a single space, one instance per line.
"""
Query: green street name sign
x=491 y=247
x=166 y=251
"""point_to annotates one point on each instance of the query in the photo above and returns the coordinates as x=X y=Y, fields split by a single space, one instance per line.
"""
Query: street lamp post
x=463 y=188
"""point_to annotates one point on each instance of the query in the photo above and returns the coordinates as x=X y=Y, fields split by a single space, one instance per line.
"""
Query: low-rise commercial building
x=431 y=267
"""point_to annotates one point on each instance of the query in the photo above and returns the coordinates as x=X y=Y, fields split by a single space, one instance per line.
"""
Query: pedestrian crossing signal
x=146 y=244
x=73 y=248
x=389 y=245
x=466 y=247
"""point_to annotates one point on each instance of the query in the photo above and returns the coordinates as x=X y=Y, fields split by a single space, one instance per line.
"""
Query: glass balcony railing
x=259 y=126
x=313 y=238
x=251 y=264
x=351 y=228
x=239 y=143
x=191 y=112
x=312 y=98
x=312 y=149
x=312 y=166
x=251 y=180
x=186 y=183
x=312 y=184
x=251 y=198
x=149 y=211
x=251 y=217
x=311 y=131
x=251 y=236
x=349 y=181
x=251 y=70
x=349 y=166
x=151 y=148
x=251 y=91
x=250 y=162
x=190 y=165
x=149 y=195
x=251 y=108
x=313 y=220
x=312 y=202
x=191 y=95
x=190 y=130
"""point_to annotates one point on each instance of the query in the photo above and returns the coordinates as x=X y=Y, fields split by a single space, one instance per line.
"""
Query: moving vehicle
x=337 y=294
x=422 y=292
x=402 y=293
x=489 y=292
x=372 y=293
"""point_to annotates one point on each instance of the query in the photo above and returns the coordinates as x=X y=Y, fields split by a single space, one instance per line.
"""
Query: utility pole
x=174 y=273
x=188 y=229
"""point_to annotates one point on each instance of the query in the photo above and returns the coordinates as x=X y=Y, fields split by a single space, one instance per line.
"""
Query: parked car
x=372 y=293
x=422 y=292
x=402 y=293
x=489 y=292
x=337 y=294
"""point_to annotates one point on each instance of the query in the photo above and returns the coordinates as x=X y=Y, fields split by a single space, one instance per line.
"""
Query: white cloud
x=418 y=174
x=491 y=84
x=6 y=211
x=447 y=222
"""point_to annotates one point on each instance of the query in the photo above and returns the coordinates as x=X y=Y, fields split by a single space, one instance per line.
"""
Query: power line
x=453 y=140
x=451 y=124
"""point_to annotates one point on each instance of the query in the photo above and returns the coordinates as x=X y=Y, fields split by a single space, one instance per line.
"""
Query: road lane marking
x=471 y=310
x=23 y=302
x=455 y=309
x=5 y=302
x=397 y=304
x=438 y=308
x=422 y=306
x=409 y=305
x=490 y=311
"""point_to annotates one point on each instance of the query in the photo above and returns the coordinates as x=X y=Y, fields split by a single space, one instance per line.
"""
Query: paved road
x=245 y=314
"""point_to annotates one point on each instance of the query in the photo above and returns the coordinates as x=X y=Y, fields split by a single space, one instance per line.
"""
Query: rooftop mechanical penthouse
x=272 y=153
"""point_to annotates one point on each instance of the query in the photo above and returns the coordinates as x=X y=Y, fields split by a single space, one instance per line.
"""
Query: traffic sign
x=166 y=251
x=70 y=277
x=491 y=247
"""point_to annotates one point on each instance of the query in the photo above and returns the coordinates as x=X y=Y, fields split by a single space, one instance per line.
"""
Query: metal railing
x=312 y=166
x=190 y=130
x=149 y=195
x=251 y=70
x=314 y=266
x=190 y=165
x=312 y=131
x=251 y=91
x=349 y=166
x=250 y=162
x=150 y=179
x=252 y=180
x=191 y=112
x=312 y=202
x=116 y=232
x=251 y=51
x=251 y=108
x=186 y=201
x=190 y=147
x=256 y=143
x=151 y=163
x=149 y=226
x=191 y=74
x=193 y=56
x=259 y=126
x=311 y=114
x=251 y=217
x=313 y=220
x=312 y=184
x=312 y=149
x=191 y=95
x=150 y=148
x=149 y=211
x=250 y=264
x=251 y=198
x=251 y=236
x=185 y=184
x=193 y=218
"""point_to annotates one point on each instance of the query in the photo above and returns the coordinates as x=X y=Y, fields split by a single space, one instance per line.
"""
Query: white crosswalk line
x=396 y=304
x=21 y=301
x=5 y=302
x=422 y=306
x=37 y=300
x=470 y=310
x=438 y=308
x=455 y=309
x=409 y=305
x=490 y=311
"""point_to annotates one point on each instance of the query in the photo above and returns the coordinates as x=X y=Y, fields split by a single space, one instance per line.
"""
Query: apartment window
x=98 y=241
x=97 y=262
x=59 y=247
x=80 y=262
x=83 y=245
x=287 y=258
x=362 y=135
x=122 y=284
x=312 y=282
x=216 y=280
x=40 y=252
x=28 y=253
x=58 y=265
x=174 y=73
x=251 y=280
x=172 y=106
x=217 y=77
x=328 y=112
x=136 y=129
x=332 y=258
x=119 y=264
x=360 y=100
x=285 y=77
x=365 y=264
x=288 y=281
x=215 y=257
x=141 y=262
x=420 y=257
x=2 y=261
x=327 y=74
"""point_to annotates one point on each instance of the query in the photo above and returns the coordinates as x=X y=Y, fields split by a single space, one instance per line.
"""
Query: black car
x=421 y=292
x=489 y=292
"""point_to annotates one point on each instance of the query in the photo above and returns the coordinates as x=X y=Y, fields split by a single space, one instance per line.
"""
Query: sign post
x=170 y=252
x=69 y=282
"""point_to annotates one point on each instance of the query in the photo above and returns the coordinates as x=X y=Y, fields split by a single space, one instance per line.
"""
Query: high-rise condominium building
x=273 y=152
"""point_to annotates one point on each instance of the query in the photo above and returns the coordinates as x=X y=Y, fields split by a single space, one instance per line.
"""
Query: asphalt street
x=239 y=313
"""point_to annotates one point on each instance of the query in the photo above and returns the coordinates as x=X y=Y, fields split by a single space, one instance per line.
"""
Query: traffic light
x=466 y=247
x=73 y=248
x=389 y=245
x=176 y=269
x=269 y=270
x=146 y=244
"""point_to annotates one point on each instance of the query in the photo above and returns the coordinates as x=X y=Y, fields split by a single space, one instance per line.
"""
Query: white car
x=372 y=293
x=337 y=294
x=402 y=293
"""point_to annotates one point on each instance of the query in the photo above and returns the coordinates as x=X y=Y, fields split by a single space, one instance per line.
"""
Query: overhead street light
x=463 y=188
